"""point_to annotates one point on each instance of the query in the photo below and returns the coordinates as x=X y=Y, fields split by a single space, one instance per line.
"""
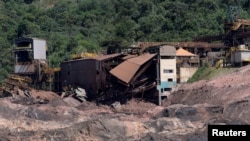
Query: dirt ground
x=184 y=115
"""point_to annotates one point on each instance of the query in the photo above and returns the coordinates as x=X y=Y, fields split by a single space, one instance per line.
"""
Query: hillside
x=207 y=73
x=222 y=89
x=73 y=26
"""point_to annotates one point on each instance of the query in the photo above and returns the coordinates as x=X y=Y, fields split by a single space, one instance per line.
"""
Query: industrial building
x=87 y=73
x=167 y=68
x=241 y=56
x=187 y=65
x=27 y=50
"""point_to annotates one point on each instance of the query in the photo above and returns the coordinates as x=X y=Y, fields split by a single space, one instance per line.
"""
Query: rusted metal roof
x=127 y=69
x=98 y=58
x=128 y=56
x=105 y=57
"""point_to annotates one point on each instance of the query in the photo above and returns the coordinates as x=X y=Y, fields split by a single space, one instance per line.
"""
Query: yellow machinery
x=235 y=25
x=229 y=53
x=236 y=30
x=84 y=55
x=227 y=57
x=42 y=78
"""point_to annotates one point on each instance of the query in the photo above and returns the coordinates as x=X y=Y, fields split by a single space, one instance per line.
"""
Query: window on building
x=167 y=89
x=168 y=71
x=170 y=79
x=167 y=57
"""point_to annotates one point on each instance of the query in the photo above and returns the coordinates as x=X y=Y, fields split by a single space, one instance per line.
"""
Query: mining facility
x=149 y=70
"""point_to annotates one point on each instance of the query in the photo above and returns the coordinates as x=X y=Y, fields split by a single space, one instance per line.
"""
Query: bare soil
x=184 y=115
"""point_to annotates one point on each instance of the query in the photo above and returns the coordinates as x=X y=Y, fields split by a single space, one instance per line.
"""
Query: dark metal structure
x=89 y=74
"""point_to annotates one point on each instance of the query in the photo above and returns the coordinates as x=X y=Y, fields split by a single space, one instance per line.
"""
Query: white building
x=167 y=68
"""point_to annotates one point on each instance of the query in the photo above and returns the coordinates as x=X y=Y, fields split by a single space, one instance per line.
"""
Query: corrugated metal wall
x=83 y=73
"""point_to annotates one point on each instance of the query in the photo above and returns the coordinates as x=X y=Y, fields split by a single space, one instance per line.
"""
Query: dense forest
x=72 y=26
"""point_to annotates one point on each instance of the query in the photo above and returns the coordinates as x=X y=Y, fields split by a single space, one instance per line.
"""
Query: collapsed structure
x=151 y=73
x=116 y=76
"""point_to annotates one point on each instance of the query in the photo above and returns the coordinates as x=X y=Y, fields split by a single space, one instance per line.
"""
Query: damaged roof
x=127 y=69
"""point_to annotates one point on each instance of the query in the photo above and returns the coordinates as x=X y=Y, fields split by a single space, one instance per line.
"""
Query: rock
x=116 y=105
x=238 y=110
x=70 y=101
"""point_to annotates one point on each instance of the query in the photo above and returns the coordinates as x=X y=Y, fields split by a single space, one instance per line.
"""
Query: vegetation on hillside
x=71 y=26
x=207 y=73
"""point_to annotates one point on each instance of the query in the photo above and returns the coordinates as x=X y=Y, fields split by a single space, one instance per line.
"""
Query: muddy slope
x=184 y=116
